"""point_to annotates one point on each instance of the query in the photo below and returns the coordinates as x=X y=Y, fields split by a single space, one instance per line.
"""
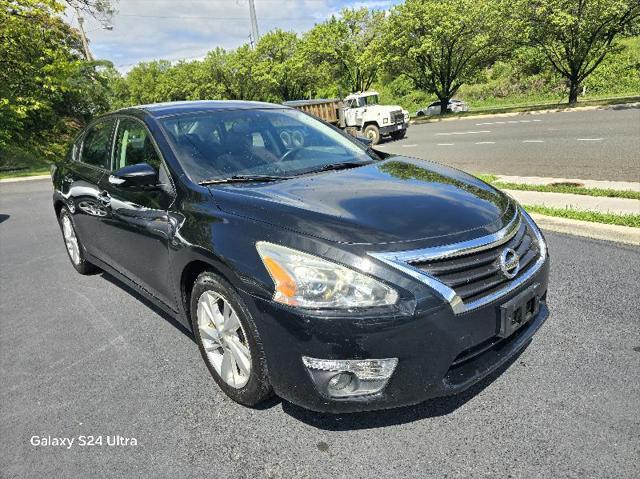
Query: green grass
x=17 y=161
x=487 y=178
x=576 y=190
x=592 y=216
x=23 y=173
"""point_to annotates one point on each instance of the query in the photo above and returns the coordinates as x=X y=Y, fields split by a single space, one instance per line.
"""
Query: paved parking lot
x=85 y=356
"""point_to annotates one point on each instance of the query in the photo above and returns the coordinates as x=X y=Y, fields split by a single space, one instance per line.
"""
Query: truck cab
x=363 y=112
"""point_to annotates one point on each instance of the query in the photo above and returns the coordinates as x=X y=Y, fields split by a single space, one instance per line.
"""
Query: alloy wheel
x=70 y=239
x=224 y=339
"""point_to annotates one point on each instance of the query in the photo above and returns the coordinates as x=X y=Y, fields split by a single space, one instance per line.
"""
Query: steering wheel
x=291 y=154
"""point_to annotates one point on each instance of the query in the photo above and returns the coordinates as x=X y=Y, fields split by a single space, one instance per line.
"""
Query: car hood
x=395 y=200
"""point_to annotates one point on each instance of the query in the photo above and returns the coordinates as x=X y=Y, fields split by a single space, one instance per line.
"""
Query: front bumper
x=387 y=130
x=439 y=353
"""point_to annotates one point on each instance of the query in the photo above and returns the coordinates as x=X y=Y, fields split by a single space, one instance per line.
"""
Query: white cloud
x=146 y=30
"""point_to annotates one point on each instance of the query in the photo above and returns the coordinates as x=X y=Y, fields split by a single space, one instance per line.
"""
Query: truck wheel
x=399 y=135
x=373 y=133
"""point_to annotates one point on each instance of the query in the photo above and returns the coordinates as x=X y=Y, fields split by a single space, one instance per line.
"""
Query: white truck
x=359 y=114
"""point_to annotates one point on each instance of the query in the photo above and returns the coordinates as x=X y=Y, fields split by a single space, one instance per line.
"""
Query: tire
x=373 y=133
x=399 y=135
x=73 y=245
x=248 y=389
x=420 y=113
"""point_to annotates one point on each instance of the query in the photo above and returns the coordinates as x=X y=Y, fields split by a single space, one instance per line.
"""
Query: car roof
x=159 y=110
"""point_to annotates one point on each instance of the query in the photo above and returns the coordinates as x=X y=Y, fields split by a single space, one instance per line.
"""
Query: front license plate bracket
x=519 y=310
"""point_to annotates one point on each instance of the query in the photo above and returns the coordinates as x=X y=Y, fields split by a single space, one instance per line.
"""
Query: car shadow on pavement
x=391 y=417
x=160 y=312
x=4 y=217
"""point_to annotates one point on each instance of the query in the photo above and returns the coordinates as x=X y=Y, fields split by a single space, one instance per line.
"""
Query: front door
x=136 y=232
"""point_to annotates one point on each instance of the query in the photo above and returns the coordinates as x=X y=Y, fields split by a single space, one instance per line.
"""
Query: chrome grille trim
x=402 y=260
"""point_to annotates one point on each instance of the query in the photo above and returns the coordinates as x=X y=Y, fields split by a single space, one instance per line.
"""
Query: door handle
x=104 y=198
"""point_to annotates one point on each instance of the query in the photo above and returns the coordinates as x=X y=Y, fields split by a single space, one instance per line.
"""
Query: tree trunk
x=574 y=88
x=444 y=106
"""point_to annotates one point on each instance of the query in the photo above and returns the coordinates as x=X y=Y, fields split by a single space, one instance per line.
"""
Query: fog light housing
x=343 y=378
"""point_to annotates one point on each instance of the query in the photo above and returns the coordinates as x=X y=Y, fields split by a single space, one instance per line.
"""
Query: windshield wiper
x=339 y=166
x=242 y=179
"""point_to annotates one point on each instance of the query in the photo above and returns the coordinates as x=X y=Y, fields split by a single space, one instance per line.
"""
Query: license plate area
x=518 y=311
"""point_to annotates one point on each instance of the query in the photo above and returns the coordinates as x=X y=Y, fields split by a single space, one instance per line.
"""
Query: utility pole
x=254 y=23
x=85 y=43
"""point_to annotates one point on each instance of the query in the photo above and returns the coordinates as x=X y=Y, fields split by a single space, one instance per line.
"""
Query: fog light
x=355 y=377
x=340 y=381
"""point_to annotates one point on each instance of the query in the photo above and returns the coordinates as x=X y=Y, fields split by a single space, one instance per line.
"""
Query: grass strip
x=22 y=173
x=576 y=190
x=592 y=216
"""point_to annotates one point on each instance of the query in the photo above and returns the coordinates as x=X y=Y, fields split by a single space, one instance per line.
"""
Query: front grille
x=476 y=275
x=397 y=117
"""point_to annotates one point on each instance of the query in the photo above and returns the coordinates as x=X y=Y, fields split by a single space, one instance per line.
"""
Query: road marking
x=499 y=122
x=485 y=142
x=486 y=123
x=524 y=121
x=463 y=132
x=445 y=144
x=409 y=146
x=512 y=121
x=589 y=139
x=536 y=120
x=532 y=141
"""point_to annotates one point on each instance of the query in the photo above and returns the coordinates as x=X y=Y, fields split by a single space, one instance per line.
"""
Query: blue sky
x=146 y=30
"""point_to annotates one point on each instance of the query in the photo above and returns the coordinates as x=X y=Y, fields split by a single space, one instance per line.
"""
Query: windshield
x=269 y=142
x=367 y=100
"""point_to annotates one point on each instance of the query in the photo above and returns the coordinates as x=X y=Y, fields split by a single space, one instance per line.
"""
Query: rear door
x=136 y=231
x=81 y=181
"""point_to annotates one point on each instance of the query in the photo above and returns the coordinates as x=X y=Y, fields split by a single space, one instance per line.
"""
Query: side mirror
x=364 y=140
x=141 y=175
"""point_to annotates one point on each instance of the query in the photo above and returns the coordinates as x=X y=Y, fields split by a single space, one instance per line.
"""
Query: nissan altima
x=337 y=277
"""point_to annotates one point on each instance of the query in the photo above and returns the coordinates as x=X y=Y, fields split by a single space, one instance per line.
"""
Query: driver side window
x=134 y=145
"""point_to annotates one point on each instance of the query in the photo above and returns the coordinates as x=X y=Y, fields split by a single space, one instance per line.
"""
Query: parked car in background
x=455 y=106
x=336 y=276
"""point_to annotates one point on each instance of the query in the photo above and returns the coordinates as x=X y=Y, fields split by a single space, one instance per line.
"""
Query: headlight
x=307 y=281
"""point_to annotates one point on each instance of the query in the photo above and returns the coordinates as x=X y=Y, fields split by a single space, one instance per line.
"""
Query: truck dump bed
x=325 y=109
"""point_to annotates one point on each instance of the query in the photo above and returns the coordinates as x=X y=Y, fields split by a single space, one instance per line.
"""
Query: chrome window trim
x=402 y=260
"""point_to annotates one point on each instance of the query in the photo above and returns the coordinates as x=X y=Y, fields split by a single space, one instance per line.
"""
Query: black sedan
x=338 y=277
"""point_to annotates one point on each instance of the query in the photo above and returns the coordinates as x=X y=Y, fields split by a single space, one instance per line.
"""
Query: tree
x=347 y=46
x=231 y=74
x=282 y=69
x=576 y=35
x=41 y=71
x=442 y=44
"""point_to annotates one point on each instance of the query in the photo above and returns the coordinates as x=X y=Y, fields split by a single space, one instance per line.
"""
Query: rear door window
x=96 y=145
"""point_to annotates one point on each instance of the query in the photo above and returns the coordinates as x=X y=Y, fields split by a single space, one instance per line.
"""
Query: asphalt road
x=85 y=356
x=594 y=144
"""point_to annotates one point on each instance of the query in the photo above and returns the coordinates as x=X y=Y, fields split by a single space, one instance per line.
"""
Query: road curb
x=25 y=178
x=586 y=229
x=530 y=112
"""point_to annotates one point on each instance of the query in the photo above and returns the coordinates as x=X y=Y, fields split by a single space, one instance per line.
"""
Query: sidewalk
x=600 y=204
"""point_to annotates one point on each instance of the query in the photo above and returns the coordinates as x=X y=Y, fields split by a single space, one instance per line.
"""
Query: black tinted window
x=133 y=145
x=96 y=146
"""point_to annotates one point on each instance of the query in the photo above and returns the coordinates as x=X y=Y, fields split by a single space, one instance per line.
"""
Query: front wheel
x=229 y=341
x=373 y=133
